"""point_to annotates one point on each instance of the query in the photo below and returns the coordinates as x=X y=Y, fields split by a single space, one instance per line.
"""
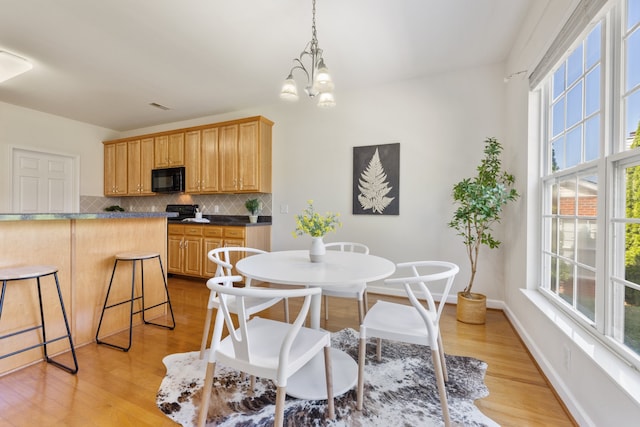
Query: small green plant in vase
x=253 y=206
x=480 y=201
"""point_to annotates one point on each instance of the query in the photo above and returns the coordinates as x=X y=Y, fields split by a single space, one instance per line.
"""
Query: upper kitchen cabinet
x=115 y=169
x=139 y=165
x=169 y=150
x=226 y=157
x=201 y=160
x=245 y=156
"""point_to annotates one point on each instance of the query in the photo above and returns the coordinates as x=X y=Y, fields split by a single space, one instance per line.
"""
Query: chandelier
x=319 y=81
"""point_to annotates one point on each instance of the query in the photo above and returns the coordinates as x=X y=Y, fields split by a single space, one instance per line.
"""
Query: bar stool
x=133 y=257
x=37 y=272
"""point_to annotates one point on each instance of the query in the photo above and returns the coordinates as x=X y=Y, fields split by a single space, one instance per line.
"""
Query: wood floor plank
x=118 y=388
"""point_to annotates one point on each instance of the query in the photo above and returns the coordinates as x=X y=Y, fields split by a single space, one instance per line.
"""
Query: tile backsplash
x=227 y=204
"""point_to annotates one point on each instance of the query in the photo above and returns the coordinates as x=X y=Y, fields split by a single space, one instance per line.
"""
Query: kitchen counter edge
x=78 y=215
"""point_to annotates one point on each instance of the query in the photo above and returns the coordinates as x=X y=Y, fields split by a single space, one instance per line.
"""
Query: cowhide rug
x=399 y=391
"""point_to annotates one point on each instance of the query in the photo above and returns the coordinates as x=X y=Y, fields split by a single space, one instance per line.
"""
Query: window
x=591 y=179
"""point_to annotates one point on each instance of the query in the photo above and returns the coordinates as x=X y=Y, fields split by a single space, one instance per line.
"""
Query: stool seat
x=131 y=256
x=26 y=272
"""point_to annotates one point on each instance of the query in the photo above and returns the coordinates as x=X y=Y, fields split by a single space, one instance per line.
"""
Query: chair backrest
x=223 y=287
x=445 y=271
x=225 y=256
x=348 y=247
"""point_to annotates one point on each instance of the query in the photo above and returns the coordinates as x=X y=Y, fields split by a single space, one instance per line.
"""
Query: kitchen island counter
x=82 y=246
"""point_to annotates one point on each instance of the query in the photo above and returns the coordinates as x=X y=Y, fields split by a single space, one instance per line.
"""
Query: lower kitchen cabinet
x=188 y=245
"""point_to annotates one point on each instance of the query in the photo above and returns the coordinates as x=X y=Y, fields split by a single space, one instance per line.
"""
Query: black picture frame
x=376 y=180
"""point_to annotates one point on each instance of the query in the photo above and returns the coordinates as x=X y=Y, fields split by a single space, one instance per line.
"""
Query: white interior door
x=43 y=182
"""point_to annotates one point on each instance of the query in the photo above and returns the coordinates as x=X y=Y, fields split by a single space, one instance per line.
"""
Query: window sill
x=620 y=372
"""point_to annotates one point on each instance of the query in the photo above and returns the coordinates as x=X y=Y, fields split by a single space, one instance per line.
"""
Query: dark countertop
x=77 y=215
x=233 y=220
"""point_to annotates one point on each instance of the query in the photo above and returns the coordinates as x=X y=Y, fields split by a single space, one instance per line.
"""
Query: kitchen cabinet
x=185 y=240
x=169 y=150
x=201 y=161
x=227 y=157
x=115 y=169
x=245 y=156
x=184 y=249
x=140 y=160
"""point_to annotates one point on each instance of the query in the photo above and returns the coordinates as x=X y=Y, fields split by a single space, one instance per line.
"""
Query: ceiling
x=103 y=62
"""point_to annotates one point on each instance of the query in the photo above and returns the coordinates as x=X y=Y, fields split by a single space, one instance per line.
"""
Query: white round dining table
x=338 y=268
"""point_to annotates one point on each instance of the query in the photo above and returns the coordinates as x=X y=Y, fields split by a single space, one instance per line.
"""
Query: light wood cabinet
x=201 y=161
x=185 y=249
x=188 y=242
x=115 y=169
x=228 y=157
x=139 y=165
x=169 y=150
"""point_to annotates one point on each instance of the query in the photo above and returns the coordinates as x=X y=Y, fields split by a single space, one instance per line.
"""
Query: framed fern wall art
x=376 y=180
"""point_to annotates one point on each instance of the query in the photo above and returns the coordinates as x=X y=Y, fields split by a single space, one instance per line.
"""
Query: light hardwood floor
x=113 y=388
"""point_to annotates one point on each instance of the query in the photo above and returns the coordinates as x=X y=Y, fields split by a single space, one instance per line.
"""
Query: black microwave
x=167 y=180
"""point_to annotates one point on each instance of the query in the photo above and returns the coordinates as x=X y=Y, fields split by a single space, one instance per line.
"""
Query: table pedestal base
x=309 y=382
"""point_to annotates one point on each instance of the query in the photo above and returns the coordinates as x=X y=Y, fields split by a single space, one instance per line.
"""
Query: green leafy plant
x=252 y=206
x=312 y=223
x=480 y=201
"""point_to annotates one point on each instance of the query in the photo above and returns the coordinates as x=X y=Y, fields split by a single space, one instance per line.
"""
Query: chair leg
x=326 y=307
x=205 y=333
x=280 y=396
x=379 y=349
x=360 y=311
x=435 y=357
x=331 y=413
x=443 y=361
x=206 y=394
x=362 y=350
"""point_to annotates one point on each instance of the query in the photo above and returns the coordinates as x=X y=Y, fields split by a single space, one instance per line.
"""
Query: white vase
x=317 y=250
x=253 y=219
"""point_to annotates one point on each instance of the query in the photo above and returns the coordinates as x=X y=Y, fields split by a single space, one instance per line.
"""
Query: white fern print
x=374 y=187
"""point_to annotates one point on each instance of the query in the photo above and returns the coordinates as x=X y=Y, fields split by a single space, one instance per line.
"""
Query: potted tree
x=479 y=202
x=253 y=206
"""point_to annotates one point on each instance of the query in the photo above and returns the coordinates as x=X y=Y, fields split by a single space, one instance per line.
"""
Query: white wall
x=21 y=127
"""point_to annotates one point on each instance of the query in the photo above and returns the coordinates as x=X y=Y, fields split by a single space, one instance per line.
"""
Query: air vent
x=160 y=106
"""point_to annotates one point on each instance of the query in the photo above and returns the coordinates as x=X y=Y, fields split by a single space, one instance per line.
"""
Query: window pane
x=554 y=235
x=632 y=319
x=574 y=105
x=592 y=92
x=574 y=66
x=586 y=250
x=632 y=253
x=567 y=238
x=554 y=199
x=554 y=275
x=586 y=282
x=588 y=196
x=633 y=13
x=593 y=47
x=558 y=154
x=592 y=138
x=567 y=197
x=558 y=82
x=633 y=60
x=632 y=120
x=557 y=117
x=574 y=147
x=565 y=285
x=632 y=190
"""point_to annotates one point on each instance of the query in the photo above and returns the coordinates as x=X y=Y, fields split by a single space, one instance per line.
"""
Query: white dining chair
x=263 y=347
x=224 y=257
x=356 y=291
x=418 y=323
